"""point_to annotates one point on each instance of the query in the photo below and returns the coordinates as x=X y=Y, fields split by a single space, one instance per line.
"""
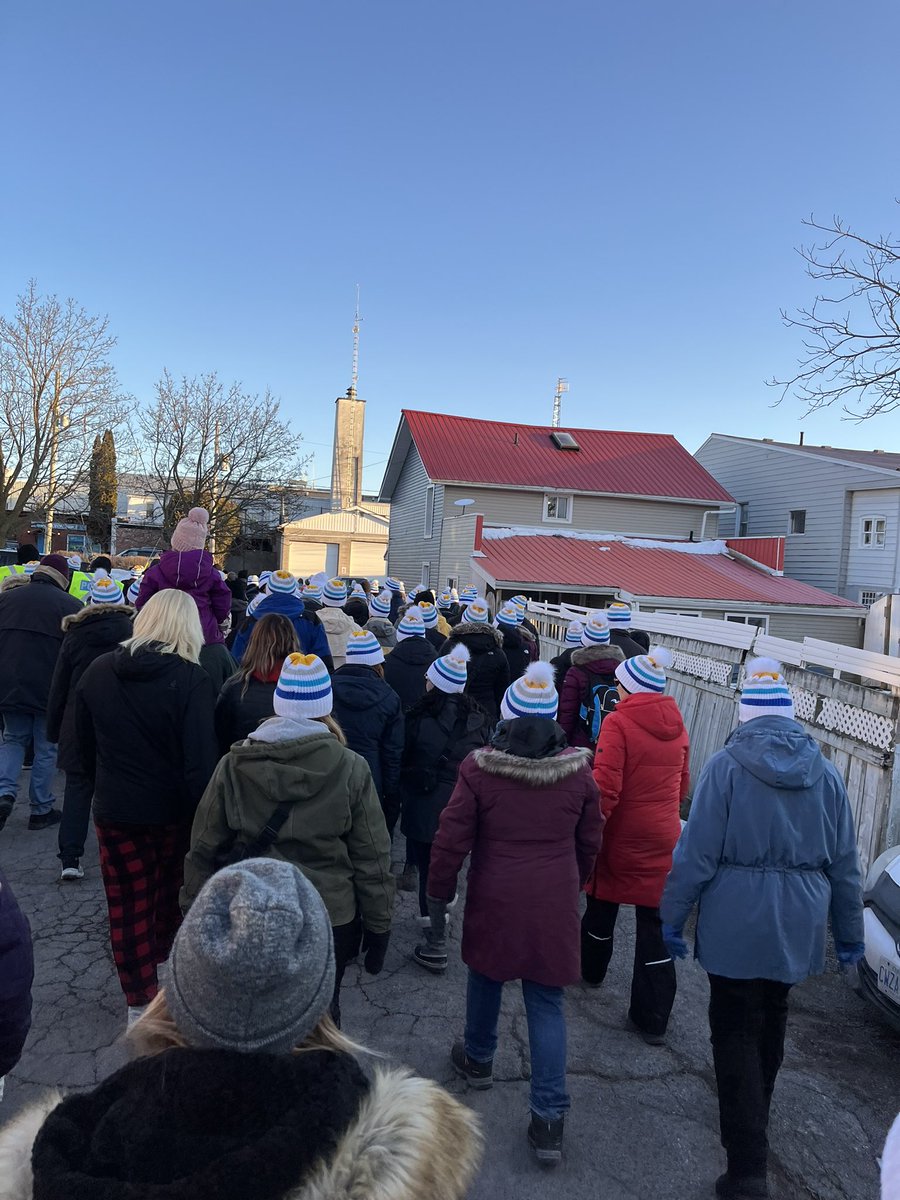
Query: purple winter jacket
x=191 y=571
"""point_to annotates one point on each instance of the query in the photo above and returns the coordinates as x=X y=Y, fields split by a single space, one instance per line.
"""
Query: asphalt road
x=644 y=1120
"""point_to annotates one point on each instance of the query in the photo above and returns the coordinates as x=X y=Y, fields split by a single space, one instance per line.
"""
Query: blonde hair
x=332 y=726
x=169 y=623
x=156 y=1032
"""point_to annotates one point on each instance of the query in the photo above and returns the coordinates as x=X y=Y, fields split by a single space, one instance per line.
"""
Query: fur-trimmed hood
x=585 y=655
x=538 y=772
x=406 y=1137
x=467 y=630
x=92 y=612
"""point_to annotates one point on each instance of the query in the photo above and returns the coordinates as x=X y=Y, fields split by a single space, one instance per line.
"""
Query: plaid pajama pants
x=142 y=868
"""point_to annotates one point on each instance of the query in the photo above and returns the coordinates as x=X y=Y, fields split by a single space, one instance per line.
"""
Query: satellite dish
x=463 y=503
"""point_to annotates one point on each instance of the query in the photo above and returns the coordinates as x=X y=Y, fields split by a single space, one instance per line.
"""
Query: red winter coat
x=641 y=769
x=533 y=827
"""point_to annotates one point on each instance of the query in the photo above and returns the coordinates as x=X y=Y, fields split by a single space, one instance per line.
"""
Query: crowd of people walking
x=248 y=746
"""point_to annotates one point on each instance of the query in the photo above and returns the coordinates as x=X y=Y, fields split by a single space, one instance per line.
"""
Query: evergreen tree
x=102 y=491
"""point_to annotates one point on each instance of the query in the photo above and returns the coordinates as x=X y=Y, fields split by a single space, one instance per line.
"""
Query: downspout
x=713 y=512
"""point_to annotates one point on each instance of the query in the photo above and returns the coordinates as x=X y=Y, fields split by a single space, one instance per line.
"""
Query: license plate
x=889 y=979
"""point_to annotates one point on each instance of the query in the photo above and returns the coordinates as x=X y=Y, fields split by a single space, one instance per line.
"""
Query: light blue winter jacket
x=768 y=850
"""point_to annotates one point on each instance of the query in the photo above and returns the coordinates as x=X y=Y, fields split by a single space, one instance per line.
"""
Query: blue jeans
x=546 y=1038
x=19 y=728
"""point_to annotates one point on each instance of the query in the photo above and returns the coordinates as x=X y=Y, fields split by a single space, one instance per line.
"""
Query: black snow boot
x=546 y=1138
x=742 y=1187
x=478 y=1075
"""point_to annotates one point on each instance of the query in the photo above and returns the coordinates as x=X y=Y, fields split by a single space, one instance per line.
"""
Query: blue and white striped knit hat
x=312 y=591
x=134 y=591
x=476 y=612
x=573 y=633
x=410 y=625
x=596 y=630
x=521 y=603
x=380 y=605
x=619 y=613
x=334 y=594
x=282 y=583
x=429 y=614
x=359 y=590
x=449 y=674
x=303 y=688
x=765 y=691
x=364 y=649
x=393 y=585
x=256 y=602
x=532 y=695
x=105 y=591
x=508 y=616
x=264 y=577
x=468 y=594
x=444 y=600
x=646 y=672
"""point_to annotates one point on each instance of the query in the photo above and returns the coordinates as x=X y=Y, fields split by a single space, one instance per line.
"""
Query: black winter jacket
x=626 y=643
x=238 y=715
x=30 y=639
x=561 y=665
x=488 y=676
x=369 y=712
x=516 y=649
x=405 y=667
x=398 y=601
x=145 y=724
x=435 y=638
x=95 y=630
x=441 y=730
x=16 y=976
x=218 y=662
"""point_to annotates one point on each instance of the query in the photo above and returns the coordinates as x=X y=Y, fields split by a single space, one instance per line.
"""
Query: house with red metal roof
x=585 y=515
x=444 y=470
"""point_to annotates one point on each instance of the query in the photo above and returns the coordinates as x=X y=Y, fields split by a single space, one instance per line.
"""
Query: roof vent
x=878 y=452
x=563 y=441
x=768 y=439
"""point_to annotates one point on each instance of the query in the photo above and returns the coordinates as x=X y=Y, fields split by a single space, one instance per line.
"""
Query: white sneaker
x=135 y=1012
x=67 y=874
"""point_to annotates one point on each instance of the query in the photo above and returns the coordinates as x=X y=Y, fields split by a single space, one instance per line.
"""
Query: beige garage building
x=351 y=542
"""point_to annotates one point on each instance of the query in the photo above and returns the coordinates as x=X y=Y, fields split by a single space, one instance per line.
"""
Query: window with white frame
x=429 y=510
x=749 y=619
x=871 y=532
x=426 y=574
x=558 y=508
x=869 y=598
x=743 y=518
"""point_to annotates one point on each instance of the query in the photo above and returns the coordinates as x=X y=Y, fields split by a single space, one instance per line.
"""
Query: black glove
x=375 y=948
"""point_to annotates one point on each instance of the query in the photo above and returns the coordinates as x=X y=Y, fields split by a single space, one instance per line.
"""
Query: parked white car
x=879 y=971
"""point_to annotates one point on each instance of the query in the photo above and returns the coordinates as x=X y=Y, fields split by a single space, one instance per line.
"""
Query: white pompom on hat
x=765 y=691
x=534 y=694
x=191 y=531
x=647 y=672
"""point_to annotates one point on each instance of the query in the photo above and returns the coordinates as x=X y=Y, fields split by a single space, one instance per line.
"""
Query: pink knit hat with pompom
x=192 y=531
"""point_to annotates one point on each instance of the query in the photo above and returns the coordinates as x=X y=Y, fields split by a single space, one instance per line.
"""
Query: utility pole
x=562 y=386
x=54 y=435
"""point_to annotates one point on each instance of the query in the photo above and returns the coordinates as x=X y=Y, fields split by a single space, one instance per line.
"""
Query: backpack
x=599 y=699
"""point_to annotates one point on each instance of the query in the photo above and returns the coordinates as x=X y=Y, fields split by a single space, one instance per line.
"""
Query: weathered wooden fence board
x=856 y=724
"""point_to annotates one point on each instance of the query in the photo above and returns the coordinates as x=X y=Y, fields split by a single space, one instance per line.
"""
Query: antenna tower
x=354 y=374
x=562 y=386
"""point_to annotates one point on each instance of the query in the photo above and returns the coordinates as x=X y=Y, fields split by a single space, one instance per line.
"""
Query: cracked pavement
x=644 y=1120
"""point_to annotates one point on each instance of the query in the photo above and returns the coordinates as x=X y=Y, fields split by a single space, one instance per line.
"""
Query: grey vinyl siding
x=846 y=631
x=874 y=568
x=773 y=482
x=646 y=518
x=408 y=548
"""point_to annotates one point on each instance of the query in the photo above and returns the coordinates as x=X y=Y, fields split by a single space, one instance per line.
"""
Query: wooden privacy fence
x=855 y=723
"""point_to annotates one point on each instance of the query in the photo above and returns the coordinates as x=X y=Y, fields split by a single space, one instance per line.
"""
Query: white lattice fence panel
x=701 y=667
x=857 y=723
x=804 y=704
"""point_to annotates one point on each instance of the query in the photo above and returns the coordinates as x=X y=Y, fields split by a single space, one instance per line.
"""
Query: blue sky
x=605 y=191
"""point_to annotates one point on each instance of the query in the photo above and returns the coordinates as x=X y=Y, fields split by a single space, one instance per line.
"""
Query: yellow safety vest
x=80 y=585
x=12 y=569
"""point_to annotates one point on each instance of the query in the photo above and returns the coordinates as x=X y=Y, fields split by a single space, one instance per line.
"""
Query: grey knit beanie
x=252 y=967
